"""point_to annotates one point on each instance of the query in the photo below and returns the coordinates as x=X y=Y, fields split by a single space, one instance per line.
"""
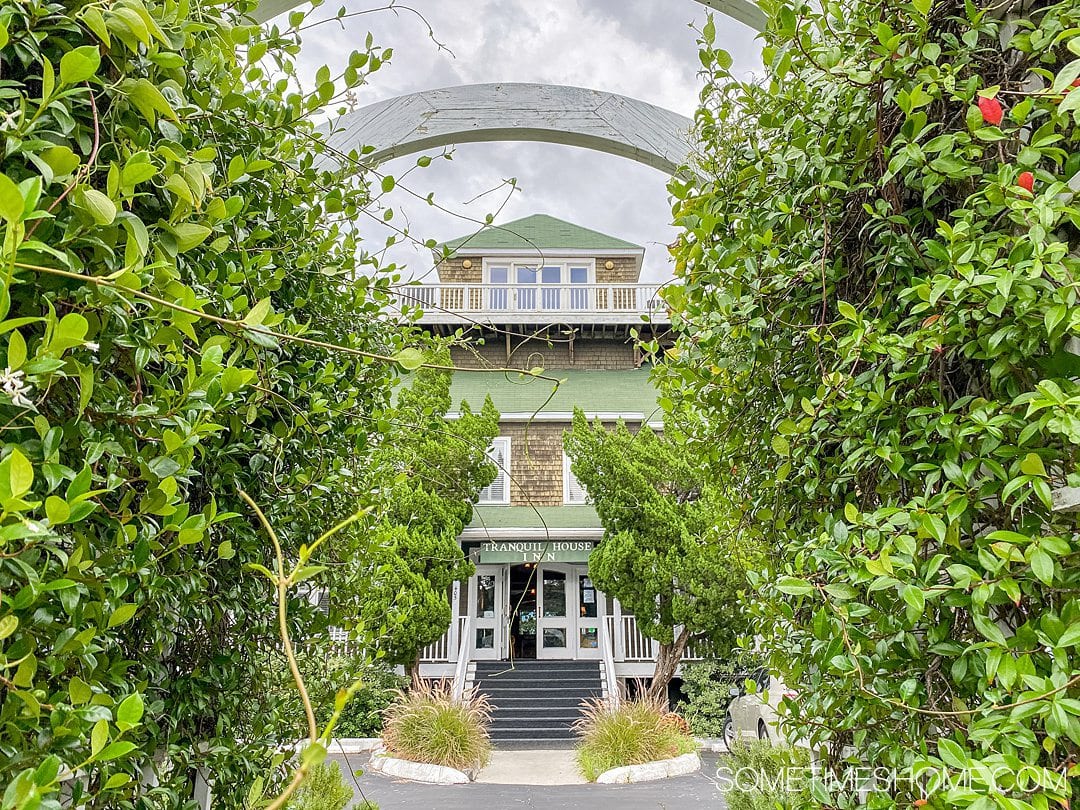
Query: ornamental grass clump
x=428 y=724
x=632 y=733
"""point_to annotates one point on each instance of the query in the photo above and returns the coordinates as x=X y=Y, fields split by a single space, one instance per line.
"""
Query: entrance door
x=556 y=611
x=589 y=615
x=487 y=598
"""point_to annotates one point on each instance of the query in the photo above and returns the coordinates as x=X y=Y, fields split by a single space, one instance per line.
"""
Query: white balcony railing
x=631 y=645
x=457 y=303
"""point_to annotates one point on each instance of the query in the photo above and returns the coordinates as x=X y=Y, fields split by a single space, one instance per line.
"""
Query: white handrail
x=468 y=297
x=462 y=668
x=611 y=683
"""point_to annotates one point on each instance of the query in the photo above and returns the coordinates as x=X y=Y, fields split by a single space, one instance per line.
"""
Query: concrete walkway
x=697 y=790
x=549 y=767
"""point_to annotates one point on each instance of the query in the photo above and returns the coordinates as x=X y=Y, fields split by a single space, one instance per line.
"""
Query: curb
x=714 y=744
x=354 y=745
x=648 y=771
x=417 y=771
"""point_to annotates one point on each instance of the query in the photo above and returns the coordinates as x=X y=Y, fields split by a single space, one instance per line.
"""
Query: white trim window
x=498 y=491
x=573 y=491
x=550 y=285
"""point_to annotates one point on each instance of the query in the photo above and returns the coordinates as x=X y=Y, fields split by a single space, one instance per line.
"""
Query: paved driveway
x=694 y=791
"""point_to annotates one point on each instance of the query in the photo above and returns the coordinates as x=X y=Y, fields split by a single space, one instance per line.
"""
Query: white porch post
x=620 y=637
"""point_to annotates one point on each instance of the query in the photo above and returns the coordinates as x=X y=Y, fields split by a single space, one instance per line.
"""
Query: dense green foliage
x=428 y=473
x=763 y=776
x=875 y=315
x=672 y=552
x=324 y=789
x=325 y=672
x=163 y=263
x=632 y=733
x=707 y=686
x=427 y=724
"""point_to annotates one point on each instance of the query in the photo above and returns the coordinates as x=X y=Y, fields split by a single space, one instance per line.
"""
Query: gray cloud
x=640 y=48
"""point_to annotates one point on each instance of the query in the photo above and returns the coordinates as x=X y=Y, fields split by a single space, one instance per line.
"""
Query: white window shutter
x=498 y=491
x=573 y=491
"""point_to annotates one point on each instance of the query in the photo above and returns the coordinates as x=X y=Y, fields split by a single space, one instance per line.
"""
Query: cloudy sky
x=645 y=49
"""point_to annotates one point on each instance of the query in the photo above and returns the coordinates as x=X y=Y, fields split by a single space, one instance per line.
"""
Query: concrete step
x=532 y=733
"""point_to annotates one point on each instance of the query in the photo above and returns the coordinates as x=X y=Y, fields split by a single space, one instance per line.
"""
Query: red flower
x=991 y=110
x=1026 y=181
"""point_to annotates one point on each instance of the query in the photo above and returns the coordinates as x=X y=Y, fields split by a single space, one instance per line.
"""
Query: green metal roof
x=528 y=517
x=593 y=391
x=539 y=231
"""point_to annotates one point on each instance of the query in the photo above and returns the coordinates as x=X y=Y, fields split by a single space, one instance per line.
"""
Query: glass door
x=487 y=600
x=589 y=615
x=555 y=613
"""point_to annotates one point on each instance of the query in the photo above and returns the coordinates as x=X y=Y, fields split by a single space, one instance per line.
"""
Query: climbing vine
x=182 y=316
x=878 y=312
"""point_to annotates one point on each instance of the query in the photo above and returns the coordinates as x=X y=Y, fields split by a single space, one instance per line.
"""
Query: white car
x=750 y=716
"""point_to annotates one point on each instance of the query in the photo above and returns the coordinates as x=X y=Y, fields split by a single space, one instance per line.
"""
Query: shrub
x=323 y=789
x=707 y=685
x=637 y=731
x=878 y=317
x=767 y=791
x=427 y=724
x=324 y=674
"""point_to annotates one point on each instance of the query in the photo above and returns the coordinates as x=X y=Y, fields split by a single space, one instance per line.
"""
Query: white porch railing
x=455 y=302
x=631 y=645
x=446 y=648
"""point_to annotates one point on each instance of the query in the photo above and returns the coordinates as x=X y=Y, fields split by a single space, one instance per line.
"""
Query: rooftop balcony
x=574 y=304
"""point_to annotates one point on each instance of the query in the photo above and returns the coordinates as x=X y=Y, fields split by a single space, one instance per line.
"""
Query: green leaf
x=189 y=235
x=79 y=64
x=258 y=313
x=225 y=550
x=61 y=160
x=794 y=587
x=99 y=736
x=117 y=780
x=851 y=512
x=130 y=711
x=8 y=625
x=116 y=750
x=780 y=445
x=1032 y=465
x=409 y=359
x=1070 y=638
x=122 y=614
x=80 y=691
x=952 y=754
x=98 y=205
x=847 y=310
x=11 y=200
x=56 y=510
x=1043 y=565
x=21 y=473
x=388 y=184
x=16 y=353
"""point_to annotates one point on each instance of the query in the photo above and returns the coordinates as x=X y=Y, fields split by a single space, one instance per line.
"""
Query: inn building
x=541 y=292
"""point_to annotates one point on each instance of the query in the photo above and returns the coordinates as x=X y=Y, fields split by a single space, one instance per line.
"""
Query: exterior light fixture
x=467 y=264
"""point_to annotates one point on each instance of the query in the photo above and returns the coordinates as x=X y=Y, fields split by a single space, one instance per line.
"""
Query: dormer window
x=529 y=285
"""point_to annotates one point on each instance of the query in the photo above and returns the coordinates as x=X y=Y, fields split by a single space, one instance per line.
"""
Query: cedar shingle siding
x=560 y=353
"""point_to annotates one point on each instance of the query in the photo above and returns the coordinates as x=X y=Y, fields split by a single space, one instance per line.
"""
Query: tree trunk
x=667 y=661
x=414 y=672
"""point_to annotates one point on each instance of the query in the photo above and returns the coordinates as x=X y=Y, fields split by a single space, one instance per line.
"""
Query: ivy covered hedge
x=171 y=261
x=879 y=272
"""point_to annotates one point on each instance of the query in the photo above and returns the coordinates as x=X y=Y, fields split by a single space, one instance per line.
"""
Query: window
x=498 y=491
x=573 y=491
x=552 y=286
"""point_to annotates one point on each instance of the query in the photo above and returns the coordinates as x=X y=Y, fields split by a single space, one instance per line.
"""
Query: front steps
x=535 y=703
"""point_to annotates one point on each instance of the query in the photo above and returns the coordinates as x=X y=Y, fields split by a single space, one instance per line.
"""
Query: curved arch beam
x=572 y=116
x=745 y=11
